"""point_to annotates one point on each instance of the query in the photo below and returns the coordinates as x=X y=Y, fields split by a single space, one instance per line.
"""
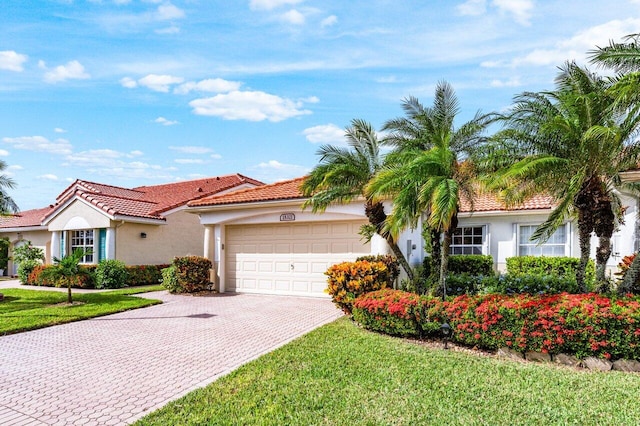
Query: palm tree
x=427 y=172
x=624 y=58
x=7 y=205
x=67 y=268
x=342 y=175
x=568 y=143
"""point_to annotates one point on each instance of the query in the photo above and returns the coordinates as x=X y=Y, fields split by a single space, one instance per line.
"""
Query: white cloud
x=212 y=85
x=159 y=83
x=271 y=4
x=189 y=161
x=574 y=48
x=293 y=17
x=216 y=156
x=274 y=170
x=40 y=144
x=520 y=9
x=73 y=70
x=128 y=82
x=15 y=167
x=168 y=11
x=11 y=60
x=512 y=82
x=249 y=105
x=472 y=7
x=387 y=79
x=325 y=133
x=59 y=130
x=191 y=149
x=165 y=122
x=311 y=100
x=4 y=153
x=48 y=176
x=329 y=21
x=173 y=29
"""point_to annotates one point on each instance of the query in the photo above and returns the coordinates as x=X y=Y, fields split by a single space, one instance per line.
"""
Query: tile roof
x=27 y=218
x=148 y=202
x=488 y=203
x=285 y=190
x=290 y=190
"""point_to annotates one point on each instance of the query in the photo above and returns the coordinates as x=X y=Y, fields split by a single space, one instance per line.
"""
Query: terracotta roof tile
x=149 y=202
x=488 y=202
x=27 y=218
x=285 y=190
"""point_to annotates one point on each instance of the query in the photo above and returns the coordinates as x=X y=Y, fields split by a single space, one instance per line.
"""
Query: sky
x=143 y=92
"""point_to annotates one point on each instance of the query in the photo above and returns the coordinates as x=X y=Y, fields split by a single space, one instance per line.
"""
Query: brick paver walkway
x=115 y=369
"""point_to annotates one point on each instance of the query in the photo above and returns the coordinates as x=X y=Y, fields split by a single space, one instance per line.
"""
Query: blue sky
x=141 y=92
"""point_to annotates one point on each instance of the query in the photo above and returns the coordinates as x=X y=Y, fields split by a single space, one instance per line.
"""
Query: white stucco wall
x=38 y=238
x=79 y=215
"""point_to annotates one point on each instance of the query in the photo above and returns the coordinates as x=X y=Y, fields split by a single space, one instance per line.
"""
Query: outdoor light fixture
x=446 y=333
x=143 y=235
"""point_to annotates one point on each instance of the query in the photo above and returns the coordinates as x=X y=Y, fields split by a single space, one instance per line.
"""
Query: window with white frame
x=468 y=240
x=82 y=240
x=554 y=246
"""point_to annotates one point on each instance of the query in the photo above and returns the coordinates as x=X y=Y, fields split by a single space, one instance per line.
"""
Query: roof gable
x=25 y=219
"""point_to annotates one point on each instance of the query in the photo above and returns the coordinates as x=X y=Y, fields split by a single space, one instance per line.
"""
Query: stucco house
x=143 y=225
x=261 y=241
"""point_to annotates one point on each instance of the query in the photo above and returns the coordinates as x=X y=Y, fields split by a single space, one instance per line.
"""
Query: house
x=143 y=225
x=261 y=241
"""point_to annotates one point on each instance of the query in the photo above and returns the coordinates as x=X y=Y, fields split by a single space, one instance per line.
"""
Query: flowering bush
x=579 y=324
x=348 y=280
x=84 y=279
x=144 y=274
x=192 y=272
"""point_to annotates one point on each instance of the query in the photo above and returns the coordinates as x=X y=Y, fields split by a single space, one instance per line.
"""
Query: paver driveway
x=115 y=369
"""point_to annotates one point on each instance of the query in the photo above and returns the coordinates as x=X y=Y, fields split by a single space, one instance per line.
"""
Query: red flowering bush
x=84 y=279
x=144 y=274
x=579 y=324
x=192 y=273
x=348 y=280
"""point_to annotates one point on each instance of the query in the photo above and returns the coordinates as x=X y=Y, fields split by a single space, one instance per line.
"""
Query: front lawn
x=343 y=375
x=24 y=310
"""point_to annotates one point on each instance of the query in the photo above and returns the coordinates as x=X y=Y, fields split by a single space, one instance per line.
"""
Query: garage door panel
x=260 y=257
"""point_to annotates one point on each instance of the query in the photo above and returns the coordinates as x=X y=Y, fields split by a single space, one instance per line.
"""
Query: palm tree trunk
x=444 y=261
x=376 y=215
x=584 y=236
x=69 y=299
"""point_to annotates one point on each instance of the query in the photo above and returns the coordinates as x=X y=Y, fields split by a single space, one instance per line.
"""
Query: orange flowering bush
x=579 y=324
x=348 y=280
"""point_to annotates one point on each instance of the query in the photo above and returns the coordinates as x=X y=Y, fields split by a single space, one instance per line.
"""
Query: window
x=555 y=246
x=468 y=240
x=82 y=240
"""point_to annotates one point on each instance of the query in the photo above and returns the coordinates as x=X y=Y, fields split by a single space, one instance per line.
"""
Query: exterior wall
x=79 y=215
x=182 y=235
x=40 y=239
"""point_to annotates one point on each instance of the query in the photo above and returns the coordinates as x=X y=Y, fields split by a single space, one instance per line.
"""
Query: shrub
x=25 y=268
x=111 y=273
x=466 y=283
x=170 y=280
x=623 y=267
x=533 y=284
x=472 y=264
x=579 y=324
x=541 y=265
x=392 y=263
x=85 y=279
x=192 y=273
x=144 y=274
x=348 y=280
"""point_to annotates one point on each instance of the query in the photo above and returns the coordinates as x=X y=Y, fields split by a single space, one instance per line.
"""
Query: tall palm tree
x=426 y=173
x=570 y=144
x=624 y=58
x=342 y=175
x=7 y=205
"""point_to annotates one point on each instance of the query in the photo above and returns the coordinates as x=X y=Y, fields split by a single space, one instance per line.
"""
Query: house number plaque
x=287 y=217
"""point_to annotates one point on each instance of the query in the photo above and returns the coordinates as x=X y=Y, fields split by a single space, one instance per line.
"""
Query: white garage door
x=289 y=258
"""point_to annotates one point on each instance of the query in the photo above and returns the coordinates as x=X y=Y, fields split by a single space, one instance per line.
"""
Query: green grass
x=342 y=375
x=137 y=290
x=24 y=310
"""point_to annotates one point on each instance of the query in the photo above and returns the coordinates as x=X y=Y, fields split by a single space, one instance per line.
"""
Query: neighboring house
x=261 y=241
x=144 y=225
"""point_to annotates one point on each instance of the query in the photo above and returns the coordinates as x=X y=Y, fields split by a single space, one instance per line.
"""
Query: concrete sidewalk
x=115 y=369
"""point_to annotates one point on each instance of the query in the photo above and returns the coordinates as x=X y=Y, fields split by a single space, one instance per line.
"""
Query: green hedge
x=542 y=265
x=137 y=275
x=474 y=264
x=85 y=278
x=192 y=273
x=579 y=324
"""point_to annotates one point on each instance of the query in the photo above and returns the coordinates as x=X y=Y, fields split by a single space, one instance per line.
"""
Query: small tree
x=27 y=257
x=67 y=268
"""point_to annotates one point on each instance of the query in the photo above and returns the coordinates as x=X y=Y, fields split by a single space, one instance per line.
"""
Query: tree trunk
x=584 y=203
x=69 y=300
x=603 y=252
x=604 y=225
x=436 y=256
x=444 y=262
x=376 y=215
x=584 y=236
